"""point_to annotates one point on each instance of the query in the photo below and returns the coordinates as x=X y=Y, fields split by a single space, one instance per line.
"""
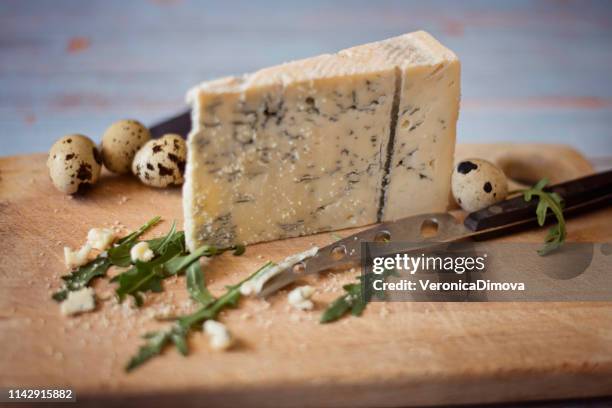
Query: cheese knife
x=179 y=124
x=430 y=230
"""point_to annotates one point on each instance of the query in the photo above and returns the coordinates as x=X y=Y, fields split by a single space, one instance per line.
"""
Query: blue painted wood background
x=532 y=70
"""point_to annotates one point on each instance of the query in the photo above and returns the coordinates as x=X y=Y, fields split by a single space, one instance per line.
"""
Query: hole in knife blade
x=429 y=228
x=299 y=267
x=382 y=236
x=338 y=252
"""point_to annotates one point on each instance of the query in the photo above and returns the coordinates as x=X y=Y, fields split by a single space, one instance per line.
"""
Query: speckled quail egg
x=74 y=162
x=120 y=143
x=161 y=162
x=477 y=183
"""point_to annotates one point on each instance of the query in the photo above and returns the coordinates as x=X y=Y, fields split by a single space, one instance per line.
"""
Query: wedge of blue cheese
x=330 y=142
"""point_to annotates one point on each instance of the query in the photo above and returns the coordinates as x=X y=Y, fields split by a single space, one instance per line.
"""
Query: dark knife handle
x=593 y=190
x=179 y=124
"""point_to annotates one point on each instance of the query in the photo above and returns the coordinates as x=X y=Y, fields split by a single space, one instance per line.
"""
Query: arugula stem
x=548 y=200
x=177 y=333
x=134 y=235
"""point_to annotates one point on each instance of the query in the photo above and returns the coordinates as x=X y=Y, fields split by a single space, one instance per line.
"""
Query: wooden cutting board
x=395 y=354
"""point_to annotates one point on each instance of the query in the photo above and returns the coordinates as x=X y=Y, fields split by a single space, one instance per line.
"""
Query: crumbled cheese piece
x=384 y=312
x=299 y=297
x=254 y=285
x=141 y=252
x=164 y=311
x=78 y=301
x=74 y=259
x=219 y=337
x=100 y=238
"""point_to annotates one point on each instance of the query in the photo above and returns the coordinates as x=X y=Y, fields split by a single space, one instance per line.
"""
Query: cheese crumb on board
x=330 y=142
x=219 y=336
x=254 y=285
x=74 y=259
x=299 y=298
x=78 y=301
x=100 y=238
x=384 y=311
x=141 y=252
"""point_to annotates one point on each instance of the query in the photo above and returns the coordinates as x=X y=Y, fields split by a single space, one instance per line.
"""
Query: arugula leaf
x=145 y=276
x=156 y=244
x=180 y=341
x=356 y=297
x=196 y=286
x=229 y=299
x=553 y=202
x=177 y=334
x=148 y=276
x=82 y=276
x=337 y=309
x=119 y=254
x=352 y=301
x=136 y=234
x=174 y=240
x=141 y=278
x=179 y=263
x=156 y=342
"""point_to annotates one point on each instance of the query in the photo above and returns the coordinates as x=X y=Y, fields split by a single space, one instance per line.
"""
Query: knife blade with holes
x=427 y=230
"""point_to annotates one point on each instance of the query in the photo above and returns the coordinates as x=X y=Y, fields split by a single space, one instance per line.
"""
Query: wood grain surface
x=395 y=354
x=531 y=70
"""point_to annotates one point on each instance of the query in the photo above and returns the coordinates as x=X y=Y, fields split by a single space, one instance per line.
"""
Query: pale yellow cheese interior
x=304 y=147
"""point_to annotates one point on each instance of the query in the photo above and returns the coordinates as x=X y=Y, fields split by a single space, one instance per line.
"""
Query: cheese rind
x=311 y=145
